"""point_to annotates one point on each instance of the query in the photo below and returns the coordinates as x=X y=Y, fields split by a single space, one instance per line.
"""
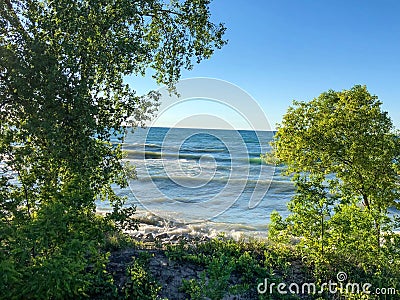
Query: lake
x=205 y=176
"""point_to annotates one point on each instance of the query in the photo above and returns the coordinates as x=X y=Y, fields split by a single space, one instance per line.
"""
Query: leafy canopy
x=62 y=101
x=348 y=135
x=343 y=154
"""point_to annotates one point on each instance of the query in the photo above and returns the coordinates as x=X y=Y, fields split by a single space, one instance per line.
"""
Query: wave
x=168 y=155
x=204 y=150
x=173 y=149
x=139 y=146
x=216 y=180
x=173 y=224
x=193 y=156
x=184 y=149
x=152 y=146
x=256 y=161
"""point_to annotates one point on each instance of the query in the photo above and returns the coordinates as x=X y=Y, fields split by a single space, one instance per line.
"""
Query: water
x=205 y=176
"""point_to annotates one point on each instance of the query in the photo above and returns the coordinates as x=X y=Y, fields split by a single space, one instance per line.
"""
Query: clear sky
x=295 y=49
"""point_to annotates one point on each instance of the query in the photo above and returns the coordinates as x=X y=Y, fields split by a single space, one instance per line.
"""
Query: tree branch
x=14 y=19
x=167 y=11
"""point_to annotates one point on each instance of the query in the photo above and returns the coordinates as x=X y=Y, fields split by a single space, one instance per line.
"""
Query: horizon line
x=204 y=128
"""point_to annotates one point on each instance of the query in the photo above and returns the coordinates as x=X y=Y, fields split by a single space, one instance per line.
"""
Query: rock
x=205 y=238
x=149 y=237
x=162 y=236
x=138 y=235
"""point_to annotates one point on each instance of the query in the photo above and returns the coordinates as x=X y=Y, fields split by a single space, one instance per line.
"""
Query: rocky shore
x=154 y=228
x=155 y=234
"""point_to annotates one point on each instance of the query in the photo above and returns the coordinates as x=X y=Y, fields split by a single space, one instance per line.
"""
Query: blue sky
x=295 y=49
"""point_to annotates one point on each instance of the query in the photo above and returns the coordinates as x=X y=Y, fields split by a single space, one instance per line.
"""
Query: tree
x=62 y=99
x=346 y=136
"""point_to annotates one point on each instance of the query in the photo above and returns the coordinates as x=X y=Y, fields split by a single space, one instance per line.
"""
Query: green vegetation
x=343 y=153
x=231 y=267
x=140 y=284
x=62 y=98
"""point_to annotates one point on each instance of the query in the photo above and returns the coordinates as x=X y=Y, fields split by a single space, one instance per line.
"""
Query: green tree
x=343 y=154
x=347 y=136
x=310 y=209
x=62 y=99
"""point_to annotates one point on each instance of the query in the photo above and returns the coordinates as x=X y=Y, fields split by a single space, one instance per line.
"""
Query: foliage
x=344 y=134
x=235 y=268
x=231 y=267
x=213 y=282
x=140 y=284
x=64 y=112
x=343 y=154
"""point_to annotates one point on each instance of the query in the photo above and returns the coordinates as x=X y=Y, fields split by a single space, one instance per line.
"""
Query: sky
x=283 y=50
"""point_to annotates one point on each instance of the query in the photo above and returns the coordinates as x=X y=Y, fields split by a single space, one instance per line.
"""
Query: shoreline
x=153 y=227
